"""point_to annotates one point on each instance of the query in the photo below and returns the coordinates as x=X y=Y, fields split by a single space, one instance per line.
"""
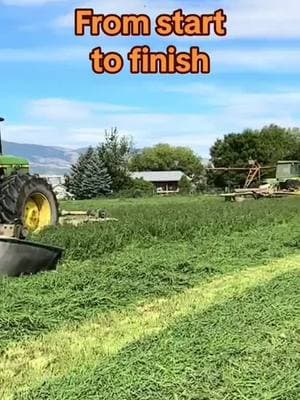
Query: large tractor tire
x=28 y=199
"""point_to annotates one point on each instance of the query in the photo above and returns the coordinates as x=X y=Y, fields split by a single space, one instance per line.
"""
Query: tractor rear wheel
x=28 y=199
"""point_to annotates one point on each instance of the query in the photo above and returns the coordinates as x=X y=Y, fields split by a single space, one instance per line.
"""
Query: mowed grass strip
x=30 y=363
x=244 y=348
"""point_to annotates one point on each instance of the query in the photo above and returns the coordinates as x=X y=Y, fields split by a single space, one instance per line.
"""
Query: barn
x=166 y=182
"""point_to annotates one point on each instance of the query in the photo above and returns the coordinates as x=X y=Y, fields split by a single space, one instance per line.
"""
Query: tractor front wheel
x=28 y=199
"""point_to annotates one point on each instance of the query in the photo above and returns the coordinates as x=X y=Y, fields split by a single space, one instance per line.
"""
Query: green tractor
x=288 y=175
x=25 y=200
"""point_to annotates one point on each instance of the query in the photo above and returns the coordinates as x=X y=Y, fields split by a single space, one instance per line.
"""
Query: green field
x=182 y=298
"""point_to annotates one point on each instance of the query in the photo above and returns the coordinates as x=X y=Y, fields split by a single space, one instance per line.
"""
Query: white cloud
x=52 y=55
x=70 y=111
x=149 y=7
x=146 y=129
x=263 y=19
x=246 y=18
x=262 y=59
x=64 y=121
x=23 y=3
x=240 y=105
x=29 y=133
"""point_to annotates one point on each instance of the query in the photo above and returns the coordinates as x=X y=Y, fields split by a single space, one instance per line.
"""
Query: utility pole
x=1 y=120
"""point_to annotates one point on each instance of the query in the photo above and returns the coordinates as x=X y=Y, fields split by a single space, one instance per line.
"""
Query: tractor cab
x=287 y=170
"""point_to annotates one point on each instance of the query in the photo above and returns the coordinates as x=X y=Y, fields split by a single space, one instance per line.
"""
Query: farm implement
x=264 y=191
x=28 y=205
x=286 y=183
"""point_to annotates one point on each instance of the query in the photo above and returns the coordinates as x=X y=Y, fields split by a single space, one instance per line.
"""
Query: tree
x=78 y=170
x=275 y=143
x=88 y=178
x=144 y=186
x=185 y=185
x=164 y=157
x=115 y=152
x=295 y=154
x=139 y=188
x=267 y=146
x=96 y=181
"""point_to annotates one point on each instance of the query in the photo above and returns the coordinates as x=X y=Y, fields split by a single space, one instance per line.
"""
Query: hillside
x=43 y=159
x=48 y=160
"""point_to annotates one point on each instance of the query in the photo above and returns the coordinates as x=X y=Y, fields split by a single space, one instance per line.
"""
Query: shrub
x=185 y=185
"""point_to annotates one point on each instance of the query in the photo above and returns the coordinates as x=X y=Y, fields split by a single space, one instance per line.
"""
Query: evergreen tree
x=115 y=152
x=96 y=181
x=78 y=170
x=88 y=178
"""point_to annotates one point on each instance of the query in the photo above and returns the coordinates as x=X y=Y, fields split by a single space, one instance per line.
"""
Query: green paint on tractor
x=11 y=165
x=287 y=170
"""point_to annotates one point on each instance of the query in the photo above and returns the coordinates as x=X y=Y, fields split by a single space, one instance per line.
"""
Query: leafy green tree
x=164 y=157
x=267 y=146
x=274 y=144
x=89 y=178
x=295 y=132
x=115 y=152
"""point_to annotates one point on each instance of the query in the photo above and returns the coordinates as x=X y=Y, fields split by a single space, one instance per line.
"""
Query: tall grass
x=151 y=222
x=158 y=247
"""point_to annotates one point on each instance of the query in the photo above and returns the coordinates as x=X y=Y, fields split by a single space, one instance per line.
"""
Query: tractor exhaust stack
x=1 y=152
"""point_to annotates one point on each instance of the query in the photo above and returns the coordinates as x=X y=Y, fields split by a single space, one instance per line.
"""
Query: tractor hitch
x=16 y=230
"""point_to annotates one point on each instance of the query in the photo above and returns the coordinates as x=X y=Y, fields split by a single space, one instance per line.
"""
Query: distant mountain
x=48 y=160
x=44 y=160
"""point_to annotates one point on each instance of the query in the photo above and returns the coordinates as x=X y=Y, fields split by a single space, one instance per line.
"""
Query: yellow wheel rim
x=37 y=213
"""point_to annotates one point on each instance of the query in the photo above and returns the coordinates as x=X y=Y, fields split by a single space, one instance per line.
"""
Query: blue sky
x=49 y=94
